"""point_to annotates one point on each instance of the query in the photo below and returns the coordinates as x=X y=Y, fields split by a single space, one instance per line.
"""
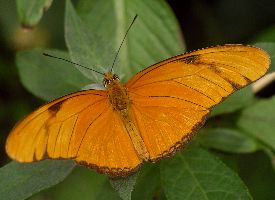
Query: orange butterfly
x=151 y=116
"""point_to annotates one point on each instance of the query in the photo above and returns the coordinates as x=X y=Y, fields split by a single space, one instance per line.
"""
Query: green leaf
x=85 y=48
x=124 y=186
x=148 y=41
x=269 y=47
x=148 y=182
x=234 y=102
x=227 y=139
x=257 y=173
x=196 y=174
x=46 y=77
x=82 y=182
x=258 y=121
x=20 y=181
x=31 y=11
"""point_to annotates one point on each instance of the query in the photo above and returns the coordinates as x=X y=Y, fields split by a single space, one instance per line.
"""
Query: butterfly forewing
x=172 y=99
x=81 y=126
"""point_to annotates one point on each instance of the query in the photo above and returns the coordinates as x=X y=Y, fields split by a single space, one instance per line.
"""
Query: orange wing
x=172 y=99
x=80 y=126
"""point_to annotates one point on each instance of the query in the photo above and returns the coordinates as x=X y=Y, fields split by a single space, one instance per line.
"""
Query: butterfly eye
x=115 y=77
x=106 y=82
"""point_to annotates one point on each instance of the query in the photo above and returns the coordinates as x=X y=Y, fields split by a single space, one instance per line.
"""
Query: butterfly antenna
x=45 y=54
x=123 y=41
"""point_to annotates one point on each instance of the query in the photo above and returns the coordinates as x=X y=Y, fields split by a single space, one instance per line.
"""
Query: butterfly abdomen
x=135 y=136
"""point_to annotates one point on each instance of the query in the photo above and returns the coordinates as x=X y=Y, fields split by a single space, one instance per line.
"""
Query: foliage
x=242 y=125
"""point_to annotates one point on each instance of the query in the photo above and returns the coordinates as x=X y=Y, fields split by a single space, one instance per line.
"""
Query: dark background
x=213 y=22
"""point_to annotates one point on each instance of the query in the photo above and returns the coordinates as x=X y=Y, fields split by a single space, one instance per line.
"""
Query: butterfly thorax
x=117 y=93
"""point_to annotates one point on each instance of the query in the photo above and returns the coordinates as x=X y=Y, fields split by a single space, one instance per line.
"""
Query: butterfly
x=147 y=118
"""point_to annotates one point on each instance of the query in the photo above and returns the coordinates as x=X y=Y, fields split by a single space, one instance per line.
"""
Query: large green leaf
x=20 y=181
x=85 y=48
x=46 y=77
x=227 y=139
x=196 y=174
x=259 y=121
x=31 y=11
x=93 y=40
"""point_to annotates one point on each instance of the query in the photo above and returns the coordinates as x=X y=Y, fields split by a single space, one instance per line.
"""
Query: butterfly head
x=109 y=79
